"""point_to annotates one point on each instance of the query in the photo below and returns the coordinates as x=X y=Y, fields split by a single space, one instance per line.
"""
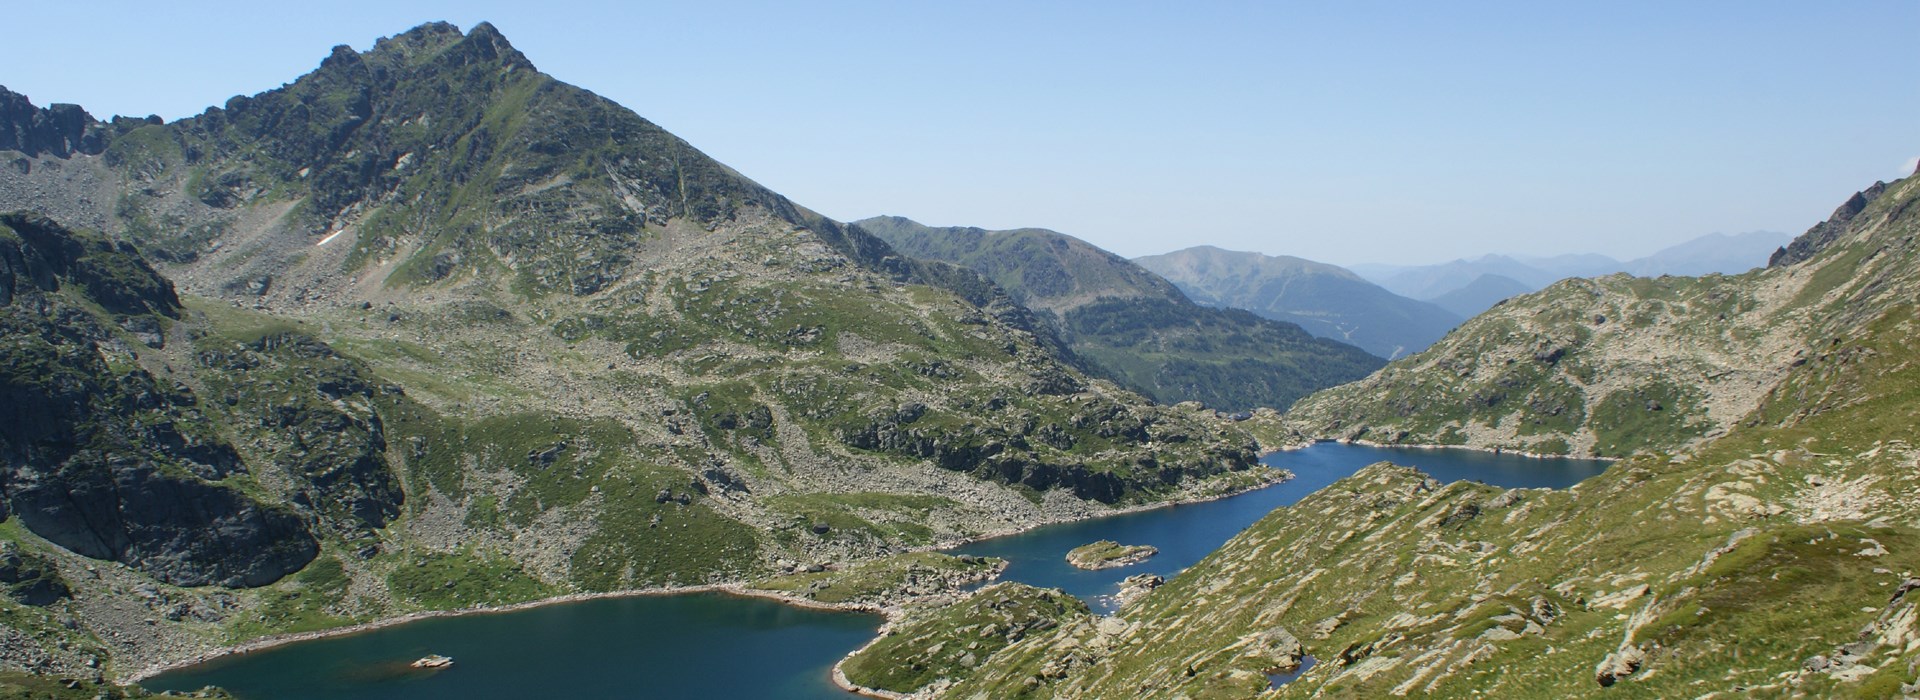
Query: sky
x=1344 y=132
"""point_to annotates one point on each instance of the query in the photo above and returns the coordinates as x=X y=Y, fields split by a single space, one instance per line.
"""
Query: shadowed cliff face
x=60 y=130
x=102 y=460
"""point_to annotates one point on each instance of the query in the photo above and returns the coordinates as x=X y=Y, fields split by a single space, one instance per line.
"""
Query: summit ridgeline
x=427 y=328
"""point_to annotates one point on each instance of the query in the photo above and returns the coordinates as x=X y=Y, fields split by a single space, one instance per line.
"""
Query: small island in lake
x=1108 y=554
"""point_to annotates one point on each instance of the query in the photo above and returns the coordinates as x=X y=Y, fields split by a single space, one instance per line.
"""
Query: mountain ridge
x=489 y=338
x=1711 y=253
x=1327 y=300
x=1135 y=326
x=1766 y=549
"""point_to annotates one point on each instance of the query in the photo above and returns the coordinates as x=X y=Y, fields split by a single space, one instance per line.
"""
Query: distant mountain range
x=1481 y=294
x=1327 y=300
x=1132 y=325
x=1713 y=253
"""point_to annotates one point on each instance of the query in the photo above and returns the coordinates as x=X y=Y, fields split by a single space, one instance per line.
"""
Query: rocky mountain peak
x=59 y=130
x=1826 y=232
x=37 y=252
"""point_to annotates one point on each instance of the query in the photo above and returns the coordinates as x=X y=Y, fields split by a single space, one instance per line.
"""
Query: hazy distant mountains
x=1481 y=294
x=1327 y=300
x=1458 y=286
x=1134 y=326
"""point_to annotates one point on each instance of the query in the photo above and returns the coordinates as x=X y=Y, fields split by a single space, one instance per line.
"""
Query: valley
x=428 y=352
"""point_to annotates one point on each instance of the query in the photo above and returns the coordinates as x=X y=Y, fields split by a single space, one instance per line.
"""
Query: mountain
x=1481 y=294
x=1328 y=301
x=1723 y=253
x=1605 y=367
x=427 y=328
x=1135 y=326
x=1728 y=254
x=1760 y=541
x=1427 y=282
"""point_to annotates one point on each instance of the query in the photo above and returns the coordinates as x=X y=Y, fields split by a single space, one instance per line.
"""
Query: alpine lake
x=708 y=645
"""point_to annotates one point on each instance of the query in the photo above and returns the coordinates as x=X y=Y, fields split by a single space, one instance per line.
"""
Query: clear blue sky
x=1348 y=132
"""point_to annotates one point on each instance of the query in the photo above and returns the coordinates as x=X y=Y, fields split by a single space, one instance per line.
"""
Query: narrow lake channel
x=719 y=646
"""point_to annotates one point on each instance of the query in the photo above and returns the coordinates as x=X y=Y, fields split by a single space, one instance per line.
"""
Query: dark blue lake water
x=718 y=646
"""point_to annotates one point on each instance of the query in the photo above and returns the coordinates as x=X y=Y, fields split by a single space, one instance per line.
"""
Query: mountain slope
x=1430 y=281
x=1720 y=253
x=1605 y=366
x=1479 y=295
x=1328 y=301
x=1775 y=560
x=1134 y=325
x=1724 y=253
x=467 y=335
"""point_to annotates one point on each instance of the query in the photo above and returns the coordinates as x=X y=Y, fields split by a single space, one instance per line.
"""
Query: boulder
x=1276 y=650
x=1618 y=665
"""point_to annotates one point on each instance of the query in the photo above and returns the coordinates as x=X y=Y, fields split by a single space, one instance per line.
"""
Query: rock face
x=94 y=456
x=1132 y=326
x=317 y=421
x=60 y=130
x=1826 y=232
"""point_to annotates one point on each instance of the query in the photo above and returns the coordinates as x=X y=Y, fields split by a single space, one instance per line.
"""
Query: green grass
x=1096 y=553
x=15 y=685
x=1657 y=413
x=453 y=581
x=686 y=545
x=949 y=641
x=881 y=516
x=303 y=602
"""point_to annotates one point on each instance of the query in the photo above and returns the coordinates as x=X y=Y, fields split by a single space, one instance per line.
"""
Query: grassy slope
x=553 y=312
x=1721 y=570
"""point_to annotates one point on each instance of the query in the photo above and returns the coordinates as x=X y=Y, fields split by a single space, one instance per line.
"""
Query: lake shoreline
x=735 y=589
x=889 y=613
x=1488 y=450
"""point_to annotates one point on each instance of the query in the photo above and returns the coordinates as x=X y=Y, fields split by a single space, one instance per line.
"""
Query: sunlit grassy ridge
x=1776 y=560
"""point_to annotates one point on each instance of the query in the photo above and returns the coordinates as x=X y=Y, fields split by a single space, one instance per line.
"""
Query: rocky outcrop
x=1276 y=650
x=28 y=578
x=1618 y=665
x=106 y=462
x=60 y=130
x=1108 y=554
x=38 y=252
x=1823 y=234
x=181 y=531
x=314 y=414
x=947 y=641
x=1135 y=587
